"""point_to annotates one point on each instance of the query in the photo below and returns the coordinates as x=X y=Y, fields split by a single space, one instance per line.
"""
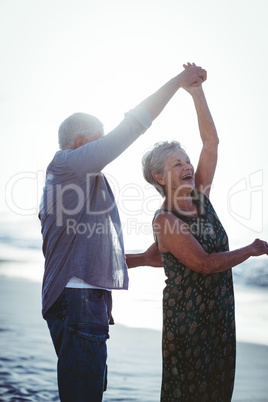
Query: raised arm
x=95 y=155
x=208 y=156
x=191 y=77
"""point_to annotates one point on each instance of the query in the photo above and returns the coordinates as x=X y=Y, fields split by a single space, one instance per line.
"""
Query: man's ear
x=159 y=178
x=79 y=141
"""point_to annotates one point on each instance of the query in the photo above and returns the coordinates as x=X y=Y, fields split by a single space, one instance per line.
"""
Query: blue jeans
x=79 y=326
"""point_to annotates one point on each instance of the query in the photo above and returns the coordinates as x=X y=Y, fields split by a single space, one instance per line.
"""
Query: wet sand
x=28 y=361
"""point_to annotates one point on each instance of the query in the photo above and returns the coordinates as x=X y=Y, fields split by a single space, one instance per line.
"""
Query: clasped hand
x=192 y=76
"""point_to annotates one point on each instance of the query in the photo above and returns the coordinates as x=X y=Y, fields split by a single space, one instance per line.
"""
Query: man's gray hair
x=153 y=161
x=78 y=123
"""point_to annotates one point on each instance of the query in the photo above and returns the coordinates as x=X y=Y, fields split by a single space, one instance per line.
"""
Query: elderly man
x=82 y=240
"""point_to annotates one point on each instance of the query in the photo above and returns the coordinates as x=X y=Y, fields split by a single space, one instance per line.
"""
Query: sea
x=140 y=306
x=27 y=359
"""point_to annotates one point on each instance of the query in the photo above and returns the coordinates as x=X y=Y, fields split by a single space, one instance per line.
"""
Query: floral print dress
x=198 y=345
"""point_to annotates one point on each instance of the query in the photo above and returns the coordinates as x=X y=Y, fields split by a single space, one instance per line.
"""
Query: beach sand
x=28 y=361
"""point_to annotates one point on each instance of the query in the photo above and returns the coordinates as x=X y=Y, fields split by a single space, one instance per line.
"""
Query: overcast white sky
x=103 y=57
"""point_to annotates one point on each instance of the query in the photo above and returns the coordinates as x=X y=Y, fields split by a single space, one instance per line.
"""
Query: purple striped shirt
x=81 y=228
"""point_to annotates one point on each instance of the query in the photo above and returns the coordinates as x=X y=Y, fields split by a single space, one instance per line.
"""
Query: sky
x=103 y=57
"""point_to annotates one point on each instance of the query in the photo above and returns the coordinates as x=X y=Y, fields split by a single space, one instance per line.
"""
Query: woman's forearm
x=206 y=124
x=219 y=262
x=222 y=261
x=151 y=257
x=135 y=260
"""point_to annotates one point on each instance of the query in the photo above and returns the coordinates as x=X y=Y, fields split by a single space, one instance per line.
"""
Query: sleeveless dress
x=198 y=344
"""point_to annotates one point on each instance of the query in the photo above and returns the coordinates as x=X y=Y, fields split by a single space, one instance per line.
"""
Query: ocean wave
x=21 y=239
x=252 y=272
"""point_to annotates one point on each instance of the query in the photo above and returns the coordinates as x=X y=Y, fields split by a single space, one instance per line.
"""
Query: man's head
x=79 y=129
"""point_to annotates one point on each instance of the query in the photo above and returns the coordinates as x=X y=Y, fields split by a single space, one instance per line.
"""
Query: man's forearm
x=158 y=100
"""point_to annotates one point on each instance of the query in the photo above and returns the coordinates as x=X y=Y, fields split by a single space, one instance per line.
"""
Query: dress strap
x=166 y=210
x=159 y=211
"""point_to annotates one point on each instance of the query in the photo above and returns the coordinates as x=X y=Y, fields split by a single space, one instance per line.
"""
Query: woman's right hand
x=192 y=76
x=258 y=247
x=196 y=85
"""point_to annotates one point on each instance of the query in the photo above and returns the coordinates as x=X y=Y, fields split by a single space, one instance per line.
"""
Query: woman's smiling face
x=178 y=172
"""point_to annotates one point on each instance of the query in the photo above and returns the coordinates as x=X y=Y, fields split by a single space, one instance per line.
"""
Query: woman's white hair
x=153 y=162
x=78 y=123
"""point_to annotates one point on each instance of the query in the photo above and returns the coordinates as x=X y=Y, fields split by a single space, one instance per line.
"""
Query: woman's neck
x=183 y=205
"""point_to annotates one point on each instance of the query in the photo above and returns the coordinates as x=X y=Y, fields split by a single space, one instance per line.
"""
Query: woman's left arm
x=151 y=257
x=208 y=157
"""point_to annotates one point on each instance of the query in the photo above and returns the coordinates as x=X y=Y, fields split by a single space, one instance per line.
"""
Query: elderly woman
x=199 y=345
